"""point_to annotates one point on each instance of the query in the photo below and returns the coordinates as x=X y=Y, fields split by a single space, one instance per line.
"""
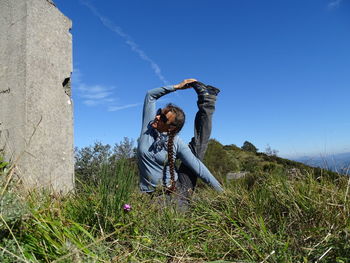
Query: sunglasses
x=162 y=116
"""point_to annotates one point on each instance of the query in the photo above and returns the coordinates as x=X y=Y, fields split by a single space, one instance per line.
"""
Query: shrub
x=249 y=147
x=218 y=161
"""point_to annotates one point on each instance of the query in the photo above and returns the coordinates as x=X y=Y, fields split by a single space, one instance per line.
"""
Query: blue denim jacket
x=152 y=150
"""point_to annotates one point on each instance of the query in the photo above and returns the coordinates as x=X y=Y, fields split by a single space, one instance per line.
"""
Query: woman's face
x=159 y=124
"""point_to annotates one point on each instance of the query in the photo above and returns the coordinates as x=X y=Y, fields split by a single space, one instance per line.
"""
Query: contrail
x=134 y=47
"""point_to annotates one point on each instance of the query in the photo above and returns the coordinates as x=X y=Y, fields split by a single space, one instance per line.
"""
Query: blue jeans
x=187 y=180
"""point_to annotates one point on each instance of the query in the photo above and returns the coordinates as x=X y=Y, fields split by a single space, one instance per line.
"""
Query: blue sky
x=283 y=68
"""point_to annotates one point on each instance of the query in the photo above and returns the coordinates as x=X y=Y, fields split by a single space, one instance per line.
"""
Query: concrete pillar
x=36 y=112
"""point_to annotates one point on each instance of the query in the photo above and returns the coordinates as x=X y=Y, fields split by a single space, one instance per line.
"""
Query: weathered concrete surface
x=36 y=113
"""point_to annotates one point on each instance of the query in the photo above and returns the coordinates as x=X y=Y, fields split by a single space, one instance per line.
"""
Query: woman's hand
x=183 y=84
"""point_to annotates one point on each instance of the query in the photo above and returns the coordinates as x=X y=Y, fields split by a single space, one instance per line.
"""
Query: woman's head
x=169 y=119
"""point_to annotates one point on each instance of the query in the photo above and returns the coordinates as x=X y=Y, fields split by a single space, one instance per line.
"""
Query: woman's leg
x=202 y=130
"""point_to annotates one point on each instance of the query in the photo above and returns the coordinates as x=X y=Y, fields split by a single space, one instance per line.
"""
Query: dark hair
x=180 y=117
x=178 y=123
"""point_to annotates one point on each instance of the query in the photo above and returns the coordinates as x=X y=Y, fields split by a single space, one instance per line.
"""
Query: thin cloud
x=116 y=108
x=91 y=103
x=334 y=4
x=96 y=92
x=128 y=40
x=94 y=95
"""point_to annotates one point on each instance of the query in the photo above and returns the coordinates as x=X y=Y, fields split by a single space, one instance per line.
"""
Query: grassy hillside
x=222 y=159
x=271 y=215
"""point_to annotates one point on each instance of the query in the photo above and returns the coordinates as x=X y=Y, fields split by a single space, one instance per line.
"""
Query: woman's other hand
x=183 y=84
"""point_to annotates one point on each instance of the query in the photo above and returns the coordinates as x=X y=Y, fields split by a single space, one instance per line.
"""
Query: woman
x=159 y=144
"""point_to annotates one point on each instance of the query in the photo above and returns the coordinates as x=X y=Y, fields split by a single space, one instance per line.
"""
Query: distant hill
x=336 y=162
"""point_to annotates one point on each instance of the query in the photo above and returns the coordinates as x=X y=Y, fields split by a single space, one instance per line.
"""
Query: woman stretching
x=159 y=144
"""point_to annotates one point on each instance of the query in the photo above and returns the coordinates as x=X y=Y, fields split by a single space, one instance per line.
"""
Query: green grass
x=264 y=217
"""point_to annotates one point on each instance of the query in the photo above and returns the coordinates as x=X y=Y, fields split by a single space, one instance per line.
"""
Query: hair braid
x=171 y=161
x=178 y=123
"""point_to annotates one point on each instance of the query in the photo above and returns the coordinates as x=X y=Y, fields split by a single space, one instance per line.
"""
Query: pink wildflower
x=127 y=207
